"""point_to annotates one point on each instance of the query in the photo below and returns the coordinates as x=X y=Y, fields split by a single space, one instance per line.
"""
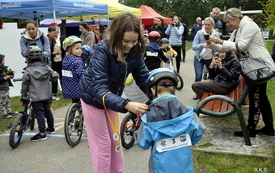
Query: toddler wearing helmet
x=36 y=86
x=5 y=84
x=72 y=68
x=168 y=127
x=169 y=52
x=154 y=54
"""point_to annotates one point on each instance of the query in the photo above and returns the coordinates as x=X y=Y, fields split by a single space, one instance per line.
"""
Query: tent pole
x=54 y=15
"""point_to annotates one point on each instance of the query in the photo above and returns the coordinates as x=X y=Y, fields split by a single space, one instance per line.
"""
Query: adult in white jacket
x=249 y=38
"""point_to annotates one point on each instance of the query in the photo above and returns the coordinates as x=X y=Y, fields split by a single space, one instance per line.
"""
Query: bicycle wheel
x=180 y=83
x=73 y=125
x=16 y=131
x=127 y=129
x=32 y=120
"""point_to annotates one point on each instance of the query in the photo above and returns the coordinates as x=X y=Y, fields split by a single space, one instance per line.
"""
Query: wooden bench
x=225 y=105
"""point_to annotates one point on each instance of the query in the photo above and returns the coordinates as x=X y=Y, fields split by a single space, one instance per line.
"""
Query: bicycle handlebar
x=16 y=79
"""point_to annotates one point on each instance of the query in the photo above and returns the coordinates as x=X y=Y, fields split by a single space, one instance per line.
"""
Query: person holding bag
x=248 y=37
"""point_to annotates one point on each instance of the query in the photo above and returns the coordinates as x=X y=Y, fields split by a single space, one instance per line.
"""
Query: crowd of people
x=127 y=47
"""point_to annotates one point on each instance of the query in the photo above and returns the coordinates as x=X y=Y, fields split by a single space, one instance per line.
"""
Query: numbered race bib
x=67 y=73
x=173 y=143
x=148 y=53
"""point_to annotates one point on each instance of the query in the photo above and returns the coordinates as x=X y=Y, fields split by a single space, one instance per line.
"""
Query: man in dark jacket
x=224 y=74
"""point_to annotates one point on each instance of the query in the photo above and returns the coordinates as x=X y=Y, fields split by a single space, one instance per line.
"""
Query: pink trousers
x=101 y=142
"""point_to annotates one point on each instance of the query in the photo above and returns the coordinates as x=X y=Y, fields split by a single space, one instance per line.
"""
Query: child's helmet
x=88 y=49
x=164 y=40
x=153 y=35
x=69 y=41
x=34 y=53
x=156 y=76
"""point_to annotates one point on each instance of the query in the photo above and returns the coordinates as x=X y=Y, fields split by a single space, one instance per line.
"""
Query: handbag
x=253 y=70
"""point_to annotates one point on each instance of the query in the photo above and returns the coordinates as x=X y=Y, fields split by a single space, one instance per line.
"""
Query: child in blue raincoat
x=169 y=127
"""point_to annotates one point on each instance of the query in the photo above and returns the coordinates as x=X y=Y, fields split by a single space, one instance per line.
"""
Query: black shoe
x=265 y=131
x=50 y=130
x=251 y=133
x=195 y=97
x=39 y=137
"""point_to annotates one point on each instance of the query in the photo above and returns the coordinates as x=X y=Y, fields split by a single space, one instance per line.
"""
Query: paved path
x=55 y=156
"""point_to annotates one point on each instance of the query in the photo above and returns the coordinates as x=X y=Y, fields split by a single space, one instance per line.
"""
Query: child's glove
x=25 y=101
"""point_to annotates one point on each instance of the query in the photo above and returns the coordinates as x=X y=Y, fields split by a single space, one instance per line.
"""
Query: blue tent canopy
x=42 y=9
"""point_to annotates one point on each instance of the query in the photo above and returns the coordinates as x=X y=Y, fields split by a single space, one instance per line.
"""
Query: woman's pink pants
x=101 y=143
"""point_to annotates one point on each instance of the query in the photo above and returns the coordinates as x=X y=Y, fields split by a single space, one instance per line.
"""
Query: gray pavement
x=55 y=156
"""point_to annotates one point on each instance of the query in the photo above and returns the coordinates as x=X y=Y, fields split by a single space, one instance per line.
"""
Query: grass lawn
x=204 y=162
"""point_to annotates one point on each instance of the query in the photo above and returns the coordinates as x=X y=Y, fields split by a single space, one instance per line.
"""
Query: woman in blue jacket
x=203 y=55
x=119 y=54
x=175 y=31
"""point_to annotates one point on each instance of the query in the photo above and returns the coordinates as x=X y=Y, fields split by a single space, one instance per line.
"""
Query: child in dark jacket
x=154 y=54
x=4 y=89
x=36 y=87
x=168 y=127
x=72 y=68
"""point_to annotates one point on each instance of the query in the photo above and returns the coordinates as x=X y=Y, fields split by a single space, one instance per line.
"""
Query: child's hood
x=39 y=73
x=153 y=47
x=173 y=127
x=182 y=118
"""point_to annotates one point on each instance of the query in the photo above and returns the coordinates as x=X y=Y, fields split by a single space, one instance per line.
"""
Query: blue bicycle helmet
x=170 y=79
x=88 y=49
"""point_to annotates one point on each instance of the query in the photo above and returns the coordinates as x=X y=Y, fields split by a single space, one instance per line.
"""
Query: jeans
x=42 y=110
x=198 y=66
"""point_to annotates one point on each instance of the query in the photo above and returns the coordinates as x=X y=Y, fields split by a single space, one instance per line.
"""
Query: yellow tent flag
x=115 y=8
x=129 y=79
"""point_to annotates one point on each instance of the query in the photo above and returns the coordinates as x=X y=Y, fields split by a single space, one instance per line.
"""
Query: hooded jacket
x=229 y=74
x=44 y=45
x=168 y=118
x=36 y=82
x=106 y=74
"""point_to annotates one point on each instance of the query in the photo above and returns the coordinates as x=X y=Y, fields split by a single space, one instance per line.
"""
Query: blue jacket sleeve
x=100 y=71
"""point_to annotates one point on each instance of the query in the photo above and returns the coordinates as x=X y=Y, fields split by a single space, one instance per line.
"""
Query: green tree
x=269 y=7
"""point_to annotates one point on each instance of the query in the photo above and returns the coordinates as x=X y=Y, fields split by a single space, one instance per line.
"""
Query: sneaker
x=6 y=116
x=13 y=112
x=265 y=131
x=39 y=137
x=50 y=130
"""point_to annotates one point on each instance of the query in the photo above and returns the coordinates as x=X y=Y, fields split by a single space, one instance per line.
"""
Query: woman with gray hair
x=247 y=35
